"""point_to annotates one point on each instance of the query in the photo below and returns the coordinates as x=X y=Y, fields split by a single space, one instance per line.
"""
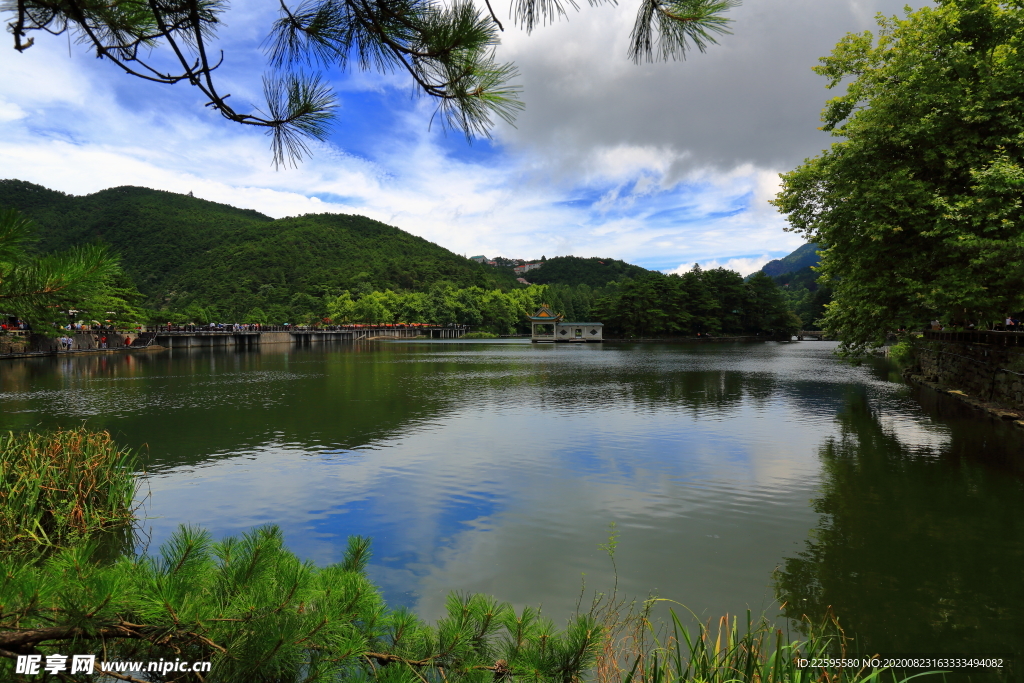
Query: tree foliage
x=446 y=49
x=706 y=302
x=919 y=206
x=575 y=270
x=260 y=614
x=805 y=296
x=502 y=312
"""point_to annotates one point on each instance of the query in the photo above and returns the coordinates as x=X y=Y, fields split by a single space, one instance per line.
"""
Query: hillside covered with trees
x=804 y=257
x=198 y=261
x=576 y=270
x=183 y=252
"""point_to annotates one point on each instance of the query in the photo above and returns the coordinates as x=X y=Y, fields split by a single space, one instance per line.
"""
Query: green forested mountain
x=576 y=270
x=199 y=261
x=182 y=251
x=804 y=257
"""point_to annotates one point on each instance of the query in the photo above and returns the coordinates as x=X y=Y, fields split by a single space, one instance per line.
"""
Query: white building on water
x=549 y=327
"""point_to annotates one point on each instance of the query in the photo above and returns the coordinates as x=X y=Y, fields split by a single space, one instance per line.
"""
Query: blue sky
x=661 y=165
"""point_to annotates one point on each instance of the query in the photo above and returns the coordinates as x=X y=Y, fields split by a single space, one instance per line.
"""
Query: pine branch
x=446 y=49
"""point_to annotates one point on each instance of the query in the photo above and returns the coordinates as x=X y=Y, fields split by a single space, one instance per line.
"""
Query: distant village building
x=548 y=326
x=527 y=267
x=484 y=260
x=518 y=265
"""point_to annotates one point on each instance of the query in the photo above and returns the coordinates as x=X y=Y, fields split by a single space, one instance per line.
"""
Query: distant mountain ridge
x=182 y=250
x=805 y=256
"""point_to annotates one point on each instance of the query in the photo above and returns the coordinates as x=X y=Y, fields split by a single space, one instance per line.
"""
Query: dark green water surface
x=738 y=475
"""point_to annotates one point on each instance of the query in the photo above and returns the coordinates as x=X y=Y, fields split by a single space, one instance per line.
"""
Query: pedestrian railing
x=992 y=337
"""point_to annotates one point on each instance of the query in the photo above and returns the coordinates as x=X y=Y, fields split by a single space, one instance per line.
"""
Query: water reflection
x=497 y=467
x=188 y=407
x=920 y=546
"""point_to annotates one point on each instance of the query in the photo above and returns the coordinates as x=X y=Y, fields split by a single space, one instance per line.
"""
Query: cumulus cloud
x=657 y=164
x=743 y=266
x=752 y=99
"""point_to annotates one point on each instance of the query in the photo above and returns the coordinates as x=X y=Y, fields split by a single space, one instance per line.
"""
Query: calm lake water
x=735 y=473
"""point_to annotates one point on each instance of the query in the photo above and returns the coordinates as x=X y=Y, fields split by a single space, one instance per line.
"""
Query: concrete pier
x=19 y=344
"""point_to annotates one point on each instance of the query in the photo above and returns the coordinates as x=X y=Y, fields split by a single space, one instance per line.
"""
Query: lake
x=734 y=473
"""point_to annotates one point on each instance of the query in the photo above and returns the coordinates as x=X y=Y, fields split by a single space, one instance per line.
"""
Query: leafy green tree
x=526 y=302
x=447 y=49
x=727 y=289
x=498 y=311
x=635 y=308
x=467 y=302
x=195 y=313
x=919 y=206
x=805 y=295
x=342 y=308
x=768 y=311
x=256 y=315
x=37 y=288
x=414 y=308
x=258 y=613
x=442 y=304
x=374 y=308
x=702 y=303
x=305 y=308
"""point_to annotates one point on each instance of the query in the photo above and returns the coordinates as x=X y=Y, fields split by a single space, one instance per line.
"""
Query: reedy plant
x=635 y=650
x=56 y=487
x=759 y=653
x=723 y=653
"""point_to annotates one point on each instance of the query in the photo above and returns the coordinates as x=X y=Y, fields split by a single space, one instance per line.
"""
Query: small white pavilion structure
x=549 y=327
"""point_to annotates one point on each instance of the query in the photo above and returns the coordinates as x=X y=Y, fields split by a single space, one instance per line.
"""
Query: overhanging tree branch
x=447 y=49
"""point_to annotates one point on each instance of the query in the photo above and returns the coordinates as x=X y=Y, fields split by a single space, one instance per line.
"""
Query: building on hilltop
x=549 y=327
x=527 y=267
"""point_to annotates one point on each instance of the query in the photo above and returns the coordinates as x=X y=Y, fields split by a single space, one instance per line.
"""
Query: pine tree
x=258 y=614
x=36 y=288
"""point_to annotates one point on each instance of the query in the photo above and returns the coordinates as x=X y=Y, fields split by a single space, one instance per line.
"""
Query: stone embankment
x=982 y=369
x=18 y=342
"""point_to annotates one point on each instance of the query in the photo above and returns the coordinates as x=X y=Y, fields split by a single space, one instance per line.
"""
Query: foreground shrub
x=60 y=486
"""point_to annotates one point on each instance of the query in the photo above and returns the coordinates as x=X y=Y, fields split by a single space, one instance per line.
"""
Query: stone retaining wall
x=26 y=342
x=986 y=372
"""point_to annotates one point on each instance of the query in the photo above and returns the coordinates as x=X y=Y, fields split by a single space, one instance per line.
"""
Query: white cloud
x=743 y=266
x=10 y=112
x=659 y=164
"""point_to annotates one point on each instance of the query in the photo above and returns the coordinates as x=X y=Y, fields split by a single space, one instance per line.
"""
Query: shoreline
x=43 y=354
x=996 y=410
